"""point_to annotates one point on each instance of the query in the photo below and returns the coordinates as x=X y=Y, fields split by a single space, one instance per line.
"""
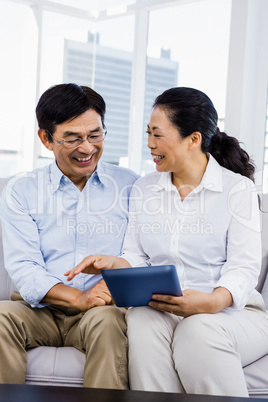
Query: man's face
x=77 y=163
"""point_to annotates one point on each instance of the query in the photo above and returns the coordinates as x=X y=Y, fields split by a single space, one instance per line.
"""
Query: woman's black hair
x=65 y=102
x=191 y=110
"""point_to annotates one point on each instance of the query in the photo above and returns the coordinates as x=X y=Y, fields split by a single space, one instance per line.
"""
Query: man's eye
x=96 y=137
x=73 y=141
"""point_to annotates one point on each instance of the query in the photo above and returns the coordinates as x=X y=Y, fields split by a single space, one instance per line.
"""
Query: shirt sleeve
x=132 y=248
x=241 y=270
x=22 y=253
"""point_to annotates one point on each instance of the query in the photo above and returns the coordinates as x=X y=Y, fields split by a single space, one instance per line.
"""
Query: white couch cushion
x=257 y=378
x=55 y=366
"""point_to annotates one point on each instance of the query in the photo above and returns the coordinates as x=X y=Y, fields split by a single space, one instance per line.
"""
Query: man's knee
x=9 y=311
x=105 y=318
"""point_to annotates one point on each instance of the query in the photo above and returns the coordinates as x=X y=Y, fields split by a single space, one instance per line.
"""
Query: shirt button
x=95 y=183
x=80 y=257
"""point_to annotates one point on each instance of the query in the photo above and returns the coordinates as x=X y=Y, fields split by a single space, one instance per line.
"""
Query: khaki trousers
x=100 y=333
x=201 y=354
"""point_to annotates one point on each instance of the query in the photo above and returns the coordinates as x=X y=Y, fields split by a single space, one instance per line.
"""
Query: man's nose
x=86 y=146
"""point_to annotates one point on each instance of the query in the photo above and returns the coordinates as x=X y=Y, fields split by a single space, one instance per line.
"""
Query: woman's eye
x=155 y=135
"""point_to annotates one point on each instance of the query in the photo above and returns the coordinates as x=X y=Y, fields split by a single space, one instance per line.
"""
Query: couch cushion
x=55 y=366
x=257 y=378
x=264 y=236
x=265 y=292
x=263 y=283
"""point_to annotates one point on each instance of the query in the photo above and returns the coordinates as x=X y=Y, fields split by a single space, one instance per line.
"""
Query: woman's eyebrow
x=153 y=128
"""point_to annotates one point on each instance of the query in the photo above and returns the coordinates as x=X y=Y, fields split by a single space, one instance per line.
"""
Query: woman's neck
x=190 y=176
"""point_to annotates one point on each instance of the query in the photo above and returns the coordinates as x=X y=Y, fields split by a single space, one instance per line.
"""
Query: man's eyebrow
x=69 y=134
x=73 y=134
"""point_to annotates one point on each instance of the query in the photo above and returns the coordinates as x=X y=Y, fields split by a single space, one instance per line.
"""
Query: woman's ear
x=44 y=139
x=195 y=140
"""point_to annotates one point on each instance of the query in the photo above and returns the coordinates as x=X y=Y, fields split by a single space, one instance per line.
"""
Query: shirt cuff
x=34 y=296
x=135 y=261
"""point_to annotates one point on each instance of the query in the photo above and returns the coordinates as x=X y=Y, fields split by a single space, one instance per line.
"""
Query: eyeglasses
x=98 y=136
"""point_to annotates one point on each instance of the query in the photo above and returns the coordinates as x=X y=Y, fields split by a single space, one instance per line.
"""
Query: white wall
x=245 y=116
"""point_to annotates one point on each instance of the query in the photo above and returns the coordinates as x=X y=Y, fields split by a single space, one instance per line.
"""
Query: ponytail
x=229 y=154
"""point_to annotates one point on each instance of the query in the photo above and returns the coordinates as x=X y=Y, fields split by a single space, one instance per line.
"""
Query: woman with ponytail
x=198 y=211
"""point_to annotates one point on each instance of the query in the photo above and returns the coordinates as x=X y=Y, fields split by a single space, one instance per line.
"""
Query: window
x=58 y=63
x=94 y=54
x=187 y=46
x=130 y=51
x=18 y=54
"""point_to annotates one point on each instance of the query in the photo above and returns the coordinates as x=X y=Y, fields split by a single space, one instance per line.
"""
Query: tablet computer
x=132 y=287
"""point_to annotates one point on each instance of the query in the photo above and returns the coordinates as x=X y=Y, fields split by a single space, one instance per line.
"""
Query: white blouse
x=212 y=237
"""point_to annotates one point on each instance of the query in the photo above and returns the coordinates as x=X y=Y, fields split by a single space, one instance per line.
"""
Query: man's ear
x=44 y=139
x=195 y=140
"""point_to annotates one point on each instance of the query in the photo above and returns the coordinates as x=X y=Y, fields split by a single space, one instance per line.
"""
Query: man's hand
x=94 y=263
x=98 y=295
x=64 y=295
x=193 y=302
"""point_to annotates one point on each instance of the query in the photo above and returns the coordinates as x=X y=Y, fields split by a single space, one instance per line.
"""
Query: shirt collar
x=100 y=175
x=165 y=183
x=56 y=176
x=212 y=178
x=58 y=179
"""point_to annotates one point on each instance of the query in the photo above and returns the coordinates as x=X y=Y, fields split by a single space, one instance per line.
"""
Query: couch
x=64 y=365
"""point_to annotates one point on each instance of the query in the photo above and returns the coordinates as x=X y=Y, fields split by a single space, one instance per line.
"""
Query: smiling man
x=52 y=218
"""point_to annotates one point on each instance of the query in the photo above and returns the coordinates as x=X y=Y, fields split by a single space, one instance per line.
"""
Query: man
x=52 y=218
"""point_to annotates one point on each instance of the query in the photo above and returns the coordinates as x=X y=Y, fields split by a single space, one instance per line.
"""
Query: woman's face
x=168 y=149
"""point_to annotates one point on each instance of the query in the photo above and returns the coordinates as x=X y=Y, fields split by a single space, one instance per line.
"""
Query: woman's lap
x=205 y=352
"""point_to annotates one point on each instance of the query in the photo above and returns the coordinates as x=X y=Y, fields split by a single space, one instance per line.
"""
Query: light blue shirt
x=49 y=225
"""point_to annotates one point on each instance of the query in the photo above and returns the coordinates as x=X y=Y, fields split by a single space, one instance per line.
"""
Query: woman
x=199 y=211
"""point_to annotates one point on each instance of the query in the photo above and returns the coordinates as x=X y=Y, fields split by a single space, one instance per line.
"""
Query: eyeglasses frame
x=104 y=132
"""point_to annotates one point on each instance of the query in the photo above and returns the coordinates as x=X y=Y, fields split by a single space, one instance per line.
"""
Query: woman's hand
x=193 y=302
x=94 y=263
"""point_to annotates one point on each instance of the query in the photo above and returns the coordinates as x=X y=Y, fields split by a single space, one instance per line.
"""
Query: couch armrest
x=6 y=285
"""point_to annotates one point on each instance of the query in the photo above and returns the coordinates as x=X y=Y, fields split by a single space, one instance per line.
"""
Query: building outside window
x=109 y=71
